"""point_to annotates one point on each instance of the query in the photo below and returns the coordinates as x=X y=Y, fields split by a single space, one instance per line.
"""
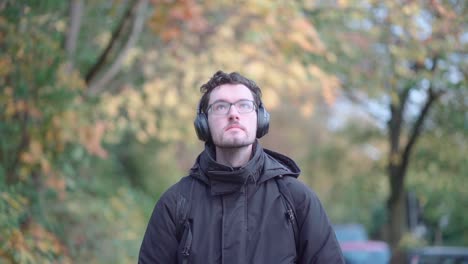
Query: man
x=241 y=203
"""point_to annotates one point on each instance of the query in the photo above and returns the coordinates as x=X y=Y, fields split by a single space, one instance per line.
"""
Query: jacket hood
x=277 y=164
x=263 y=165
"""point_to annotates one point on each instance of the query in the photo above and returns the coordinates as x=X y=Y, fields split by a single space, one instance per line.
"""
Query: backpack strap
x=184 y=220
x=290 y=208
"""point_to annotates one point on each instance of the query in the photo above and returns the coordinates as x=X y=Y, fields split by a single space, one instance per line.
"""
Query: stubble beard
x=234 y=143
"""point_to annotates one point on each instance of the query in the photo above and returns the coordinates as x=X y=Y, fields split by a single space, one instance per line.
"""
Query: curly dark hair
x=220 y=78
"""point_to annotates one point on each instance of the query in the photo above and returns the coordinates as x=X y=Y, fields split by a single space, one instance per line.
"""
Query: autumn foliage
x=97 y=101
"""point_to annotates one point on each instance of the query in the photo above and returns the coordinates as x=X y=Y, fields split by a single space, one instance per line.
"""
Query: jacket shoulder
x=177 y=189
x=163 y=226
x=306 y=202
x=299 y=190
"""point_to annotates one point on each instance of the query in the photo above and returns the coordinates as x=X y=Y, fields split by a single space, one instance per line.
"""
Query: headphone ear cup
x=201 y=127
x=263 y=121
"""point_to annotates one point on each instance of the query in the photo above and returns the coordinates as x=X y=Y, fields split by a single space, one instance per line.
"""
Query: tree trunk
x=399 y=158
x=397 y=225
x=396 y=205
x=396 y=172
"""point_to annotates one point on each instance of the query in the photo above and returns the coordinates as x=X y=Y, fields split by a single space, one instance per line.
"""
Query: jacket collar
x=264 y=165
x=224 y=179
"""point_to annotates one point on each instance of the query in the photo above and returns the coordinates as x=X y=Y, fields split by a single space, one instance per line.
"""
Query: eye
x=244 y=105
x=219 y=107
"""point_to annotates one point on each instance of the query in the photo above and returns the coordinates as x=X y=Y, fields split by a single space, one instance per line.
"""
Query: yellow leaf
x=60 y=25
x=151 y=128
x=24 y=172
x=33 y=154
x=134 y=99
x=297 y=70
x=249 y=50
x=343 y=3
x=118 y=204
x=315 y=71
x=91 y=137
x=103 y=38
x=302 y=41
x=44 y=240
x=111 y=107
x=305 y=35
x=72 y=79
x=331 y=57
x=141 y=136
x=170 y=99
x=15 y=203
x=255 y=68
x=270 y=98
x=132 y=55
x=45 y=166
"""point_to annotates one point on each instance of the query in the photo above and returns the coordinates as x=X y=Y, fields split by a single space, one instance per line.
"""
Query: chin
x=235 y=143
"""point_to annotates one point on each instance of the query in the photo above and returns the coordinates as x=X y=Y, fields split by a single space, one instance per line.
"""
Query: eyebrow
x=222 y=100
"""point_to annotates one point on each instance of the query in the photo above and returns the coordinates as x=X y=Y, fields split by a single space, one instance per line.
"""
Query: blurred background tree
x=407 y=58
x=97 y=100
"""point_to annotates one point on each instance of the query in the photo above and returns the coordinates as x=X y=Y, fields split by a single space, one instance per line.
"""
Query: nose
x=233 y=113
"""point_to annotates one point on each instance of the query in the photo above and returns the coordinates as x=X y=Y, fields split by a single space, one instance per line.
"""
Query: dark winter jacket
x=238 y=216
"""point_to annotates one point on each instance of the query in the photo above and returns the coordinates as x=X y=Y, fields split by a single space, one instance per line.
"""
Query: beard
x=232 y=143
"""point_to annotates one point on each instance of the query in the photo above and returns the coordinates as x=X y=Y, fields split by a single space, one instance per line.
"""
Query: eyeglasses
x=223 y=107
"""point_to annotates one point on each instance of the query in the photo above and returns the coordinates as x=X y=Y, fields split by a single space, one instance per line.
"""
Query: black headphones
x=203 y=130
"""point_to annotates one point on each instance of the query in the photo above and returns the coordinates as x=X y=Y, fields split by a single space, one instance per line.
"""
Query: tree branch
x=417 y=127
x=414 y=133
x=359 y=100
x=98 y=86
x=76 y=12
x=111 y=44
x=324 y=9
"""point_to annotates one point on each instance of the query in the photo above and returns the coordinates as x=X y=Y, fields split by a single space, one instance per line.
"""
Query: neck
x=233 y=157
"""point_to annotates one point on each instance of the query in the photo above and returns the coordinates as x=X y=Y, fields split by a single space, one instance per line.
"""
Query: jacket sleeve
x=317 y=239
x=159 y=243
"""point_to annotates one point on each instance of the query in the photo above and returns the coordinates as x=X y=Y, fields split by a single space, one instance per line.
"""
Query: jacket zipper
x=185 y=252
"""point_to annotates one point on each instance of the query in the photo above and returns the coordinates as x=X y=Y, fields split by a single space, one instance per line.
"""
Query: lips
x=232 y=126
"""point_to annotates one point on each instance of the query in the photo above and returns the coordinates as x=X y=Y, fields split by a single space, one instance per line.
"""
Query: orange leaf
x=57 y=184
x=91 y=138
x=171 y=34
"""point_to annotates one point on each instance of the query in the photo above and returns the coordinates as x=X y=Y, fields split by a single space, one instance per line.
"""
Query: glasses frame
x=210 y=109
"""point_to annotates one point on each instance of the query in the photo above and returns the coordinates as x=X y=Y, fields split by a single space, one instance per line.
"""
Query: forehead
x=230 y=93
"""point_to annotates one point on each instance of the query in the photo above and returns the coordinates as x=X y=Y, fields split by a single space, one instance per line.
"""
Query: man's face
x=232 y=130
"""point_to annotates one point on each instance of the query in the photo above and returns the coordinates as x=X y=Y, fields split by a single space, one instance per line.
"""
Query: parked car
x=366 y=252
x=438 y=255
x=350 y=232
